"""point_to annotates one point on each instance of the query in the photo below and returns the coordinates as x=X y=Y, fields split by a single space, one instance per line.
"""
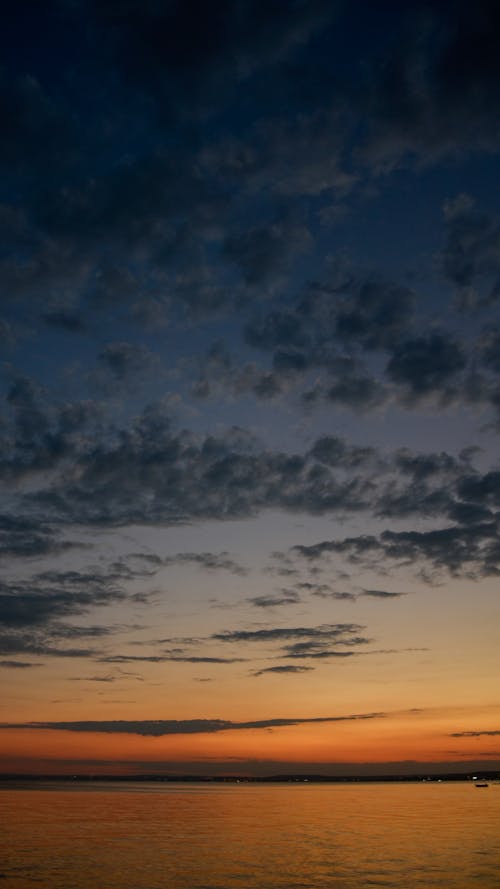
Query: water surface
x=250 y=836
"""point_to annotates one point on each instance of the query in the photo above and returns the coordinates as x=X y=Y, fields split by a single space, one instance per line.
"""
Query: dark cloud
x=471 y=551
x=200 y=659
x=382 y=594
x=150 y=473
x=339 y=634
x=376 y=313
x=334 y=451
x=283 y=669
x=324 y=591
x=172 y=655
x=277 y=329
x=92 y=679
x=39 y=643
x=126 y=360
x=18 y=665
x=40 y=436
x=206 y=561
x=471 y=255
x=320 y=650
x=356 y=392
x=480 y=489
x=39 y=132
x=28 y=538
x=263 y=253
x=66 y=320
x=141 y=204
x=52 y=595
x=436 y=81
x=286 y=597
x=322 y=642
x=427 y=365
x=490 y=350
x=317 y=589
x=159 y=727
x=324 y=326
x=134 y=658
x=120 y=220
x=476 y=734
x=427 y=465
x=34 y=612
x=185 y=55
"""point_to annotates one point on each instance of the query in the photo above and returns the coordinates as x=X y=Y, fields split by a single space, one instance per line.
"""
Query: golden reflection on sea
x=250 y=836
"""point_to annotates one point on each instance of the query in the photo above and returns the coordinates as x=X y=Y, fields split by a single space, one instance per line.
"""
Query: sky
x=250 y=381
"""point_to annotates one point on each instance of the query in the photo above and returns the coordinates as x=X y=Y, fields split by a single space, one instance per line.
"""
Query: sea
x=249 y=836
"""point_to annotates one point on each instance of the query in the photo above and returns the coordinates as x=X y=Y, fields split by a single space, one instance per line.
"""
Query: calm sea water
x=184 y=836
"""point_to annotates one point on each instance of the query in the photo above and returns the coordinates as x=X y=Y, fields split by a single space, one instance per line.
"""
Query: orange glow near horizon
x=420 y=737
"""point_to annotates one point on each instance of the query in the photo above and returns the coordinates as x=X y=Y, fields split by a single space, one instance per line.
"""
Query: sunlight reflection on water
x=253 y=836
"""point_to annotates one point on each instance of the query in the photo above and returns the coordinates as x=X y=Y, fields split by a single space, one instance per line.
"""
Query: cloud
x=340 y=634
x=149 y=473
x=92 y=679
x=471 y=256
x=64 y=319
x=124 y=211
x=471 y=551
x=320 y=650
x=33 y=612
x=336 y=452
x=186 y=56
x=161 y=727
x=54 y=594
x=382 y=594
x=320 y=346
x=287 y=597
x=431 y=89
x=282 y=669
x=176 y=656
x=41 y=132
x=40 y=436
x=200 y=659
x=206 y=561
x=127 y=360
x=39 y=643
x=427 y=365
x=321 y=333
x=320 y=642
x=22 y=537
x=324 y=591
x=18 y=665
x=133 y=658
x=476 y=734
x=262 y=253
x=323 y=641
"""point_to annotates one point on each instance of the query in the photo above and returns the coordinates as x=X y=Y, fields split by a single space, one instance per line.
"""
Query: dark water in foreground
x=192 y=836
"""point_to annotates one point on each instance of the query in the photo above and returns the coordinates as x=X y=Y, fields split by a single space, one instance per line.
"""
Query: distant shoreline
x=10 y=779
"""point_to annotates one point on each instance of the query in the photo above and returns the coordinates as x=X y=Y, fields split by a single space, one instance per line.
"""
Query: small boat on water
x=481 y=784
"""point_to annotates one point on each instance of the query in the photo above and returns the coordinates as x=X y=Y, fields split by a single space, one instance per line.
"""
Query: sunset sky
x=250 y=275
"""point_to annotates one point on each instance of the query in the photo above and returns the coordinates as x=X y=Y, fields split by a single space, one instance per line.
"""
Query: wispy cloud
x=285 y=597
x=159 y=727
x=475 y=734
x=281 y=670
x=382 y=594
